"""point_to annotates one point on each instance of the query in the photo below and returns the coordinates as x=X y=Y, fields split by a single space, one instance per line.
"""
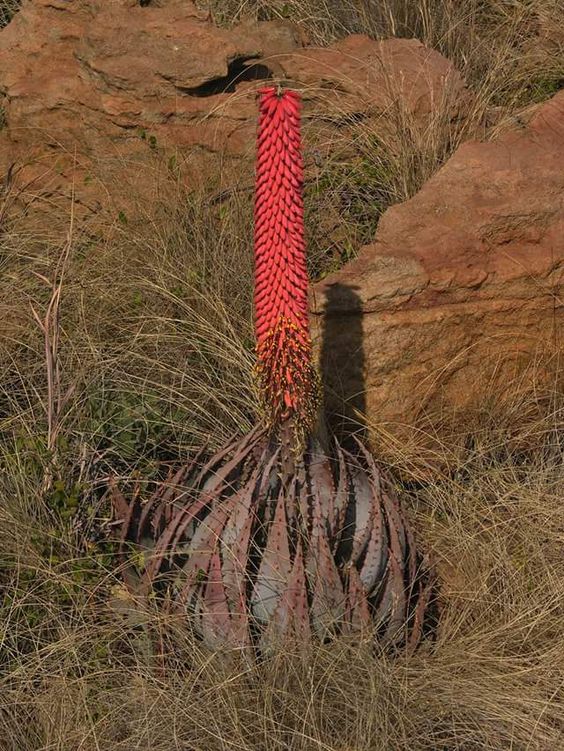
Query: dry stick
x=50 y=327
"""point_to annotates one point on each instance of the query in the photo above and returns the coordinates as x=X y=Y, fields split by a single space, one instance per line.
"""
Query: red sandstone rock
x=123 y=99
x=461 y=289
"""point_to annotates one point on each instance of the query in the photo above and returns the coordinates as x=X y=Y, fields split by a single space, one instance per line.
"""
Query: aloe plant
x=278 y=536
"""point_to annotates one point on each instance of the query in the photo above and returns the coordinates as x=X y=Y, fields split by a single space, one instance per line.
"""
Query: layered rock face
x=461 y=292
x=121 y=101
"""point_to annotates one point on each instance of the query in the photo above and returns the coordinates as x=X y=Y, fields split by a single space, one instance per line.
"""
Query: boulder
x=459 y=300
x=116 y=102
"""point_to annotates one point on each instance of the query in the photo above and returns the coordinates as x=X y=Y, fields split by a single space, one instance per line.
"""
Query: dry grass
x=511 y=49
x=78 y=669
x=7 y=10
x=154 y=357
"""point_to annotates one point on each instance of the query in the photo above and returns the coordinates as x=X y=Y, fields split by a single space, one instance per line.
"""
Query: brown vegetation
x=145 y=353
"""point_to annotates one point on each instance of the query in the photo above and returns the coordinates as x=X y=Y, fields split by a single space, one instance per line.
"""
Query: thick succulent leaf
x=172 y=490
x=235 y=541
x=216 y=622
x=328 y=599
x=395 y=631
x=291 y=617
x=389 y=500
x=384 y=600
x=269 y=487
x=275 y=567
x=398 y=539
x=211 y=496
x=411 y=551
x=296 y=597
x=396 y=532
x=167 y=542
x=322 y=485
x=376 y=556
x=357 y=613
x=296 y=489
x=122 y=509
x=302 y=499
x=203 y=546
x=208 y=470
x=423 y=598
x=361 y=501
x=155 y=514
x=340 y=500
x=218 y=473
x=396 y=565
x=183 y=513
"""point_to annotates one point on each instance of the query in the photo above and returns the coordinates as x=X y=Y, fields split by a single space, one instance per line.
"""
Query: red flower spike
x=287 y=378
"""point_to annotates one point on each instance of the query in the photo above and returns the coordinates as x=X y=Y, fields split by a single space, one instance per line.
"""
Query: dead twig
x=50 y=326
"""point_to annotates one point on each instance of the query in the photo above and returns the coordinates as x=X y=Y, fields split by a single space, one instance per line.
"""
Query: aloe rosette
x=276 y=536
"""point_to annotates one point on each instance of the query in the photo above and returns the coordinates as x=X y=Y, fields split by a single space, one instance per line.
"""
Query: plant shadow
x=342 y=364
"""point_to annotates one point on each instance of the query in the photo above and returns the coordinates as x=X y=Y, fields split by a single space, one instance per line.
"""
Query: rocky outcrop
x=119 y=101
x=461 y=290
x=116 y=103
